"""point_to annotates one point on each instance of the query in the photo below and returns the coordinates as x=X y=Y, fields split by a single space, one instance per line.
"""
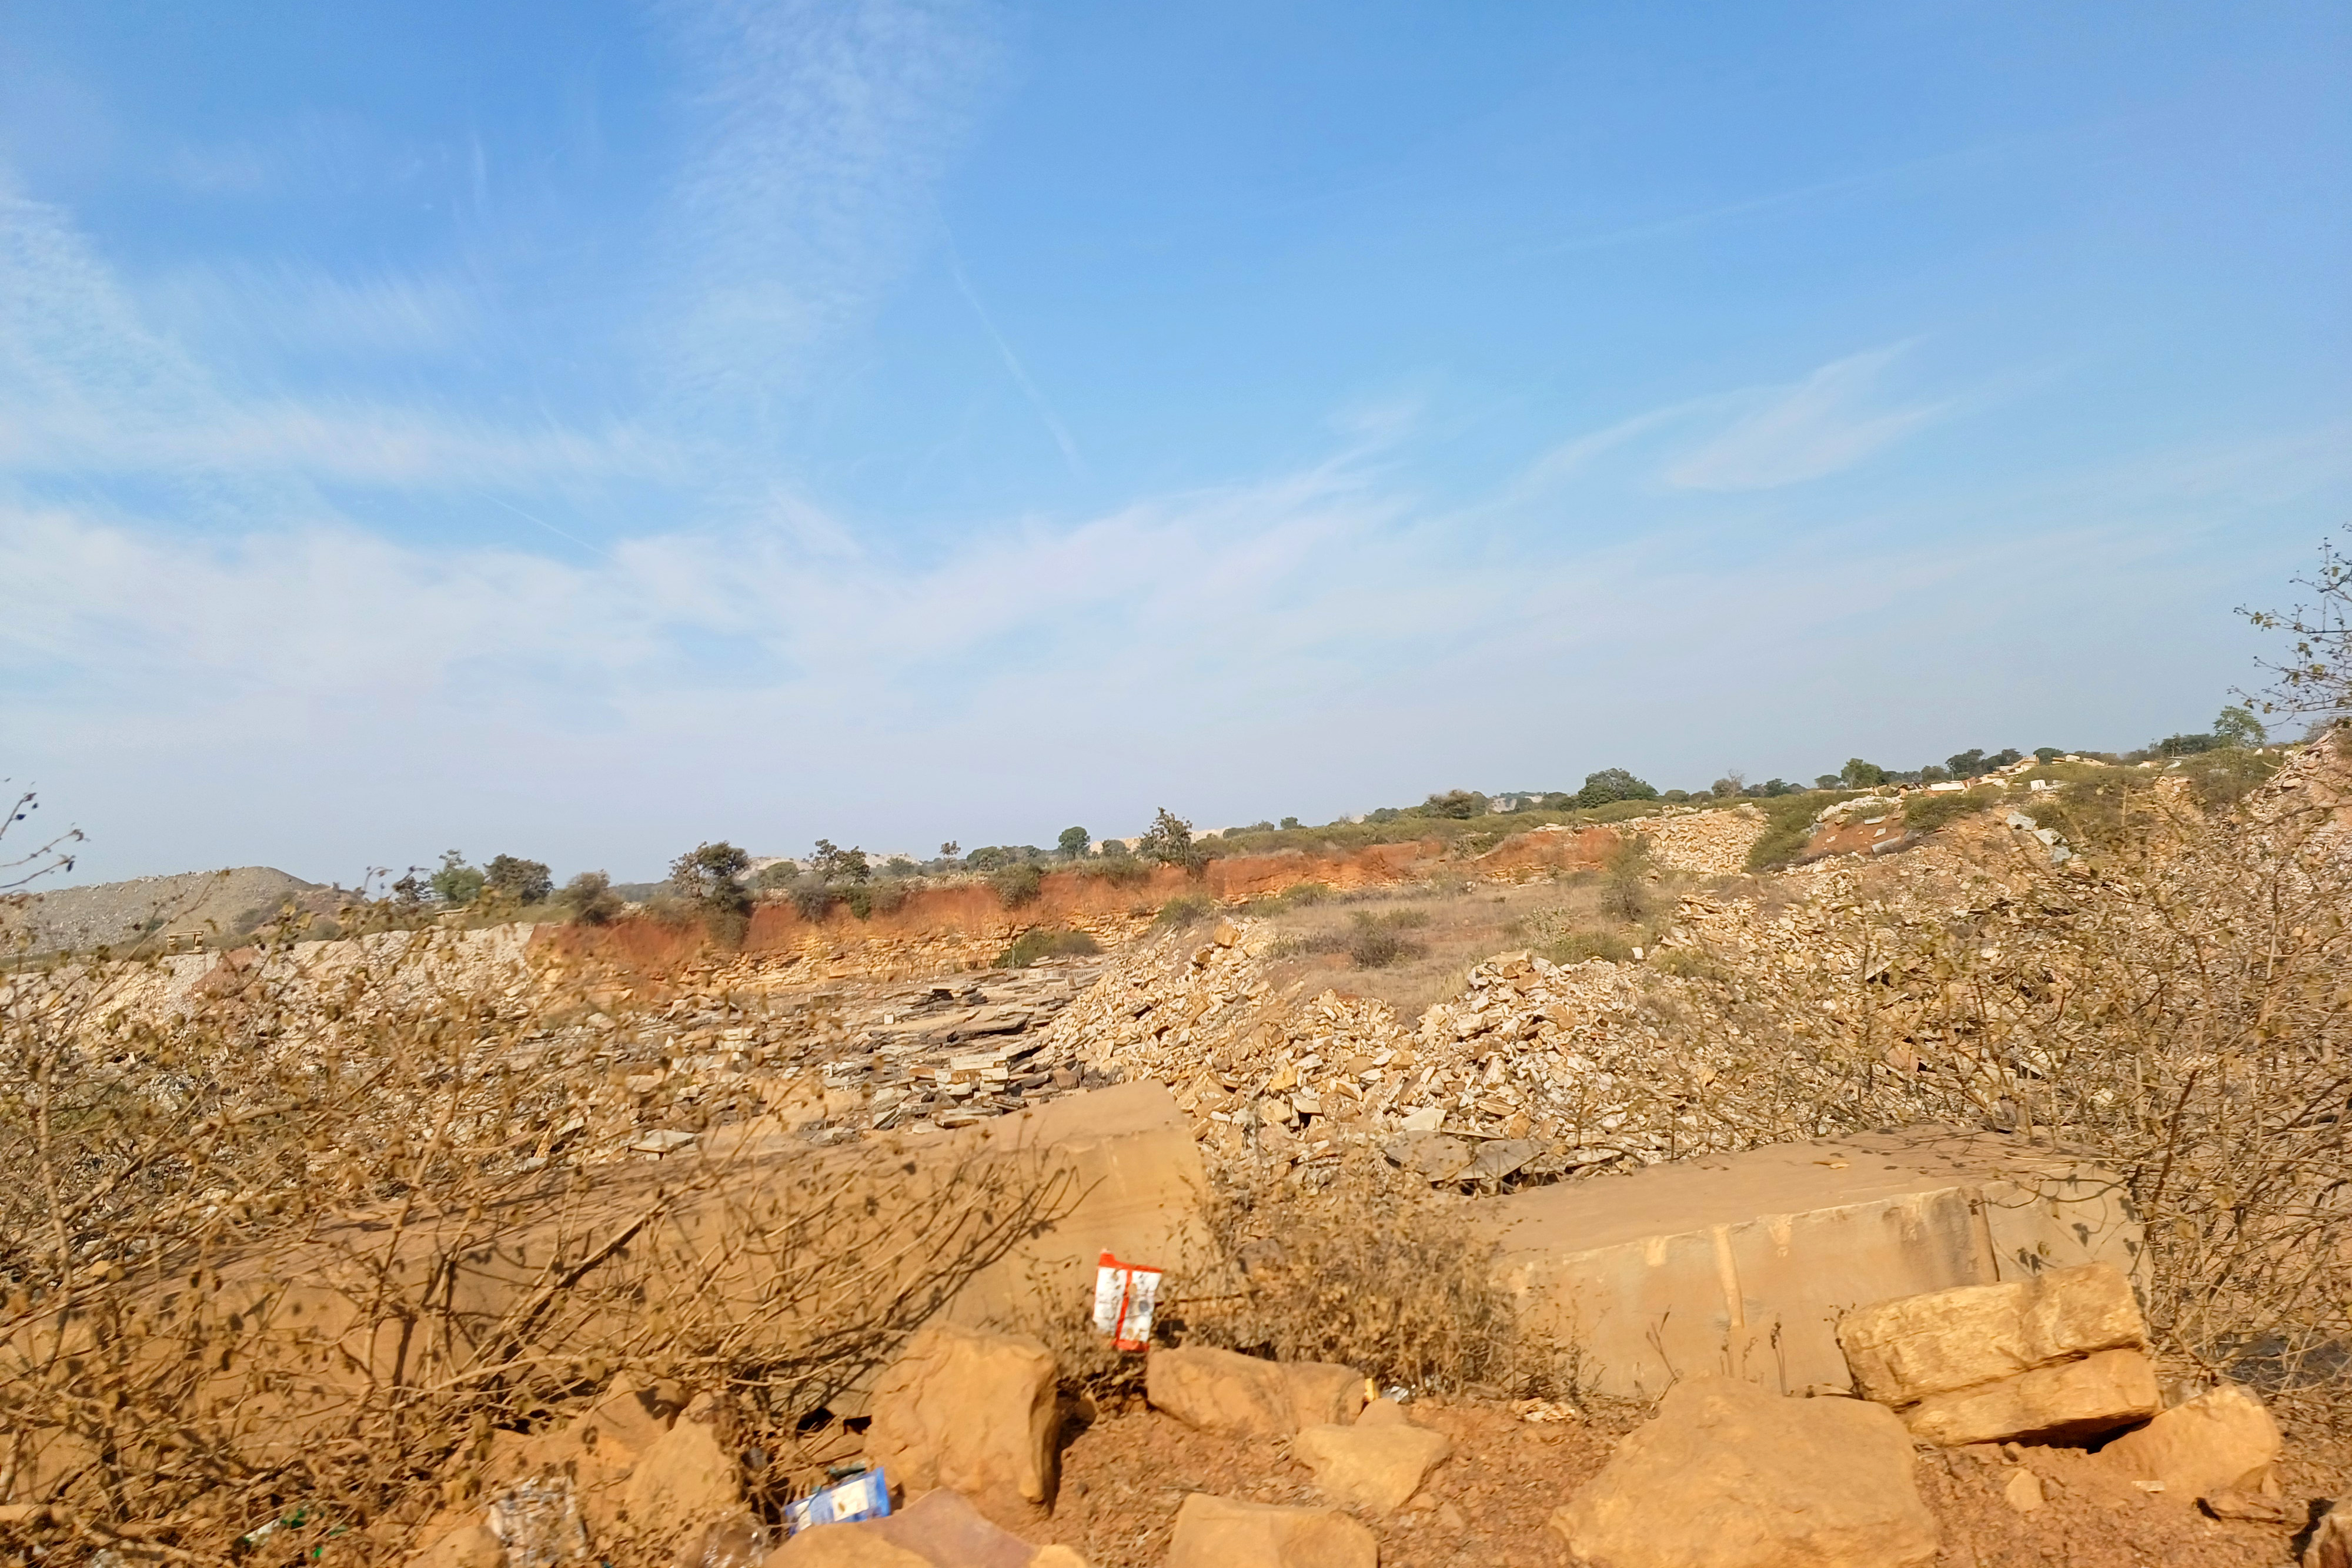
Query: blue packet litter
x=865 y=1495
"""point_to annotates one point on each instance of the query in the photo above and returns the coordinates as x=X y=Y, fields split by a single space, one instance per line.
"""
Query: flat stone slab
x=1742 y=1264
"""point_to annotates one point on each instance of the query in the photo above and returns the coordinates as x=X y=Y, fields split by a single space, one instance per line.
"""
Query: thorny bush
x=294 y=1245
x=2175 y=1003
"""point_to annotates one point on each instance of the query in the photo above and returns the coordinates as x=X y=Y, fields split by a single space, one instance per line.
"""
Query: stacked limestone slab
x=2057 y=1357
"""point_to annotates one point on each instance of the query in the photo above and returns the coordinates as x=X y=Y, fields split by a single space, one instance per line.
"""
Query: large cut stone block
x=1906 y=1350
x=1745 y=1263
x=2073 y=1399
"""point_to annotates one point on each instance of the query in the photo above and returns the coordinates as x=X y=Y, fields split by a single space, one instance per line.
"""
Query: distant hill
x=208 y=905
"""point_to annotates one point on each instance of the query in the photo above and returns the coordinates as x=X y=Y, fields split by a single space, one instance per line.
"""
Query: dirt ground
x=1124 y=1477
x=1453 y=925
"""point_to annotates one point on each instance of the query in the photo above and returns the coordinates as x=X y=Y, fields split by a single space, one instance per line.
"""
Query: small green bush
x=1788 y=826
x=1038 y=942
x=1306 y=895
x=526 y=882
x=458 y=883
x=1459 y=804
x=1119 y=869
x=1017 y=884
x=1577 y=945
x=589 y=899
x=1626 y=894
x=1925 y=814
x=1611 y=785
x=1169 y=841
x=2222 y=777
x=1190 y=909
x=1376 y=946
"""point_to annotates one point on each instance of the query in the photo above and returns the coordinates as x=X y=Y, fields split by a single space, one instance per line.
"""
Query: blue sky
x=578 y=431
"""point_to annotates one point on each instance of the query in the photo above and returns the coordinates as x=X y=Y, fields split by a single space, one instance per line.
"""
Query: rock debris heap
x=1536 y=1069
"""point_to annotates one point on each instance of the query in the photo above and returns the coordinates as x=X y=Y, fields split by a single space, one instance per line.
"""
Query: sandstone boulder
x=1730 y=1476
x=1324 y=1392
x=842 y=1546
x=2224 y=1440
x=1375 y=1465
x=686 y=1478
x=1916 y=1347
x=968 y=1410
x=1245 y=1396
x=1219 y=1533
x=940 y=1530
x=467 y=1546
x=2070 y=1401
x=599 y=1448
x=2331 y=1539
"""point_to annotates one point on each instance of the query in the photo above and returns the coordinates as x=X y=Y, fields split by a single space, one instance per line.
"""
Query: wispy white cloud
x=1830 y=421
x=821 y=130
x=399 y=314
x=775 y=678
x=90 y=388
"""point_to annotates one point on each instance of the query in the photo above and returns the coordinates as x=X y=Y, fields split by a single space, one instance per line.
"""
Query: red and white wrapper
x=1124 y=1296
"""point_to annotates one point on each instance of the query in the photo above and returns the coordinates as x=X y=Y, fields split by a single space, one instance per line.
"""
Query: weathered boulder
x=940 y=1530
x=632 y=1416
x=842 y=1546
x=1375 y=1465
x=1221 y=1533
x=1729 y=1476
x=1245 y=1396
x=2073 y=1400
x=467 y=1546
x=1913 y=1347
x=687 y=1476
x=2330 y=1546
x=1324 y=1392
x=968 y=1410
x=2222 y=1441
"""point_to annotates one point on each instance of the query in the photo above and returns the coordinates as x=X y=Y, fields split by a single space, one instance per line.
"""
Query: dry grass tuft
x=1367 y=1271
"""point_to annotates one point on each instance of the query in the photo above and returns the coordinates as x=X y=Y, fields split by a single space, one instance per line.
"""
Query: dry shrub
x=303 y=1248
x=1364 y=1269
x=2174 y=1002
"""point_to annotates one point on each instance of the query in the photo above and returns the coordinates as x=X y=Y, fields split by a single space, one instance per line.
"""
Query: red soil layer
x=1072 y=898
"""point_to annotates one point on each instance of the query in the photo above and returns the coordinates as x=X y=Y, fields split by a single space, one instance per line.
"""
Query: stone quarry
x=1906 y=1341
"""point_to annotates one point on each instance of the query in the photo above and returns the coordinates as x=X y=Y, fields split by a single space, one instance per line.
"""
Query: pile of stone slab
x=2060 y=1358
x=1533 y=1071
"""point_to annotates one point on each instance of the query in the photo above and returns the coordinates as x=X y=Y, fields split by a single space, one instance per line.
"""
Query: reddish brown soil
x=1885 y=836
x=1124 y=1477
x=1072 y=898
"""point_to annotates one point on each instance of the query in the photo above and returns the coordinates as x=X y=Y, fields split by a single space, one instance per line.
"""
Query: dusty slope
x=202 y=903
